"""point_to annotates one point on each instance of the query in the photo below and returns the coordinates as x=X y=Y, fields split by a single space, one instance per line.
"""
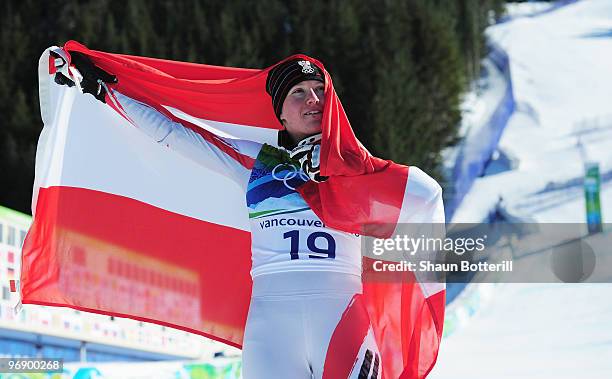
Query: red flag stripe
x=52 y=68
x=78 y=232
x=346 y=340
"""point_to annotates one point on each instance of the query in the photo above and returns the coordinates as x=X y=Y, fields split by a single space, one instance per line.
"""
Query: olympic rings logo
x=290 y=174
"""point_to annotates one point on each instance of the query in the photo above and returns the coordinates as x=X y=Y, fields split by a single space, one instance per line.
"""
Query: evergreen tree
x=398 y=66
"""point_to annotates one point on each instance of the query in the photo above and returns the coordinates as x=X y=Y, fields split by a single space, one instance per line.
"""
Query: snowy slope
x=561 y=65
x=542 y=331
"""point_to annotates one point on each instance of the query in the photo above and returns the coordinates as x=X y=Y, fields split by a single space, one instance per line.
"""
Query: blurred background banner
x=592 y=188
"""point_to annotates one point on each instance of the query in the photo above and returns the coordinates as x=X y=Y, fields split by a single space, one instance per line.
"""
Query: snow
x=516 y=10
x=554 y=331
x=562 y=77
x=561 y=65
x=477 y=107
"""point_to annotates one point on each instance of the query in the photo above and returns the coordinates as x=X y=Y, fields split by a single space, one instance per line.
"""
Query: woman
x=305 y=275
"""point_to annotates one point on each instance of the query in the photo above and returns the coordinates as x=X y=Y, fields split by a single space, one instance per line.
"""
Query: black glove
x=93 y=76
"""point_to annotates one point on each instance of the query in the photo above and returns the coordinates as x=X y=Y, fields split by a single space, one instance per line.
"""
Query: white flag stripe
x=422 y=213
x=229 y=130
x=77 y=153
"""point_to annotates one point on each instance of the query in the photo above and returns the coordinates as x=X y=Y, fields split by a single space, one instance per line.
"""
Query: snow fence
x=474 y=155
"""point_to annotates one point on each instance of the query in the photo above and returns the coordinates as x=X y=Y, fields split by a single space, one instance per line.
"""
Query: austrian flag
x=121 y=227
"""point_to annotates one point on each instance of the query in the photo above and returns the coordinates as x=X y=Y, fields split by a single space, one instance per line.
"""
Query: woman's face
x=303 y=109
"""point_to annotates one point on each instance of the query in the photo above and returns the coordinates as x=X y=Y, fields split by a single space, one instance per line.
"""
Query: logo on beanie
x=306 y=67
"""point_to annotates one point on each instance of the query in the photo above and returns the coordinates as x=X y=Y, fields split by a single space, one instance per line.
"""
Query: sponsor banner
x=592 y=184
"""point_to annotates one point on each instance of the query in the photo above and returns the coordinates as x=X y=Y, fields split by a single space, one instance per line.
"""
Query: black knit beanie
x=287 y=74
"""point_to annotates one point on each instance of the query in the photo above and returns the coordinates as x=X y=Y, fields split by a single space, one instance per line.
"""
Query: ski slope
x=534 y=331
x=561 y=64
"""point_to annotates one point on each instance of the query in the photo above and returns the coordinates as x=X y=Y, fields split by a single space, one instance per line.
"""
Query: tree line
x=400 y=67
